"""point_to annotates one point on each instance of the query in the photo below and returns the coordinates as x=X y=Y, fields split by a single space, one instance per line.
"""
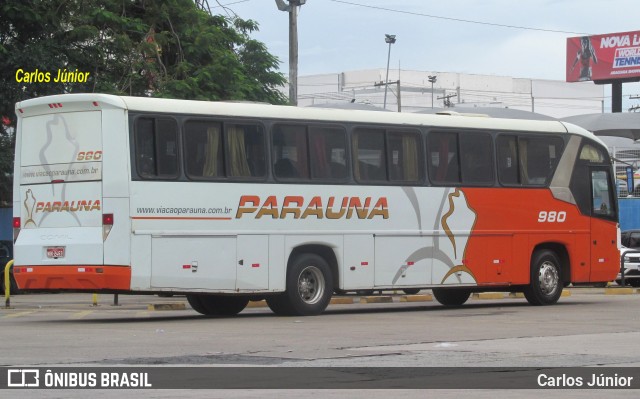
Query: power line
x=458 y=19
x=228 y=4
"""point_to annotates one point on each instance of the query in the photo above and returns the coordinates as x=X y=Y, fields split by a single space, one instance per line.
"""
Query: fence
x=624 y=157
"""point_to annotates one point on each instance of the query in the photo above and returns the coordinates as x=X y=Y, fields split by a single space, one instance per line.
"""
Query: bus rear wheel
x=451 y=296
x=546 y=283
x=211 y=305
x=308 y=289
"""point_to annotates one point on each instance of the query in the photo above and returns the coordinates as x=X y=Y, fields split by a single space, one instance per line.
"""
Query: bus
x=230 y=202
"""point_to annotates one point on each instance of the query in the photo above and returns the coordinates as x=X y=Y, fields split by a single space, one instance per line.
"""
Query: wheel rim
x=548 y=278
x=311 y=285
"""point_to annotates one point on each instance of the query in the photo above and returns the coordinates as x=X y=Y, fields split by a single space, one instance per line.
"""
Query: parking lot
x=588 y=327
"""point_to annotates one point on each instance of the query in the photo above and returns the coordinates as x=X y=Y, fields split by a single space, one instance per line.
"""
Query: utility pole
x=447 y=99
x=634 y=108
x=386 y=85
x=292 y=9
x=399 y=100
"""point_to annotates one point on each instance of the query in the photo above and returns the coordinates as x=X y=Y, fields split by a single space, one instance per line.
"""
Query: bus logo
x=297 y=207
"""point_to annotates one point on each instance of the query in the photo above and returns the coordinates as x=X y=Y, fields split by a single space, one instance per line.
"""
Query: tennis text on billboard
x=299 y=208
x=68 y=206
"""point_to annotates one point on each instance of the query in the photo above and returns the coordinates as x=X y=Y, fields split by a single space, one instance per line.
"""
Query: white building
x=549 y=97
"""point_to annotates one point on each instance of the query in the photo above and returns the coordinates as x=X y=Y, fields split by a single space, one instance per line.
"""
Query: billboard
x=603 y=57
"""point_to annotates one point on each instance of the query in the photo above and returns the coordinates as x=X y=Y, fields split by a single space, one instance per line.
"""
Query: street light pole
x=432 y=79
x=388 y=39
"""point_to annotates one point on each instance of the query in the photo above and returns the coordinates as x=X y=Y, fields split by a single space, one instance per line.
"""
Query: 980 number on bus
x=552 y=217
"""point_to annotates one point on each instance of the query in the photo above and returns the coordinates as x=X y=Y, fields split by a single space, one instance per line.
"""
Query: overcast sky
x=336 y=35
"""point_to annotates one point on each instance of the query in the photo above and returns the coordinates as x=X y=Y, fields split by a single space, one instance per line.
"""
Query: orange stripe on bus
x=73 y=277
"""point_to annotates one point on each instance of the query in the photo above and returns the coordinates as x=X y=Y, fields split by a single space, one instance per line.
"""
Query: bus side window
x=477 y=158
x=443 y=157
x=203 y=149
x=290 y=159
x=403 y=156
x=370 y=163
x=245 y=150
x=528 y=160
x=156 y=141
x=507 y=160
x=327 y=150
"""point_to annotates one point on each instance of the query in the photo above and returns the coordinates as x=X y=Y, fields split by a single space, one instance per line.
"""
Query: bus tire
x=545 y=286
x=194 y=302
x=451 y=296
x=308 y=290
x=211 y=305
x=411 y=291
x=279 y=305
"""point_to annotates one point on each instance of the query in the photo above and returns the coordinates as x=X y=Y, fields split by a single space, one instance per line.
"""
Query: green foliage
x=162 y=48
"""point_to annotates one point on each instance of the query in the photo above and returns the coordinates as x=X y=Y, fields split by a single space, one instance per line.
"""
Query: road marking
x=18 y=314
x=80 y=315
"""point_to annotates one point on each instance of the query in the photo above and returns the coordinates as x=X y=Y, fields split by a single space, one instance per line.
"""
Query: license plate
x=55 y=252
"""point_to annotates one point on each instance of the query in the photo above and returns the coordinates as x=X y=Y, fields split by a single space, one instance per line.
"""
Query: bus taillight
x=107 y=219
x=16 y=228
x=107 y=224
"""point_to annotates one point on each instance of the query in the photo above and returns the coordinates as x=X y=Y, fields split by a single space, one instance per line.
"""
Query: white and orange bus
x=230 y=202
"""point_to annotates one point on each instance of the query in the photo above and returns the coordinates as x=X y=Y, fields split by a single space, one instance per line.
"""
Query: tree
x=162 y=48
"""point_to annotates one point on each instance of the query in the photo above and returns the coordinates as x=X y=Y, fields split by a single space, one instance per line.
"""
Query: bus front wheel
x=217 y=305
x=545 y=286
x=451 y=296
x=308 y=288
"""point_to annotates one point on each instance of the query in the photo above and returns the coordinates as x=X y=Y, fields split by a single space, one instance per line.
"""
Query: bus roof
x=94 y=101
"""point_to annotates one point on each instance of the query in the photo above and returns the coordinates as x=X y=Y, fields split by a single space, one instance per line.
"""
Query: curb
x=488 y=295
x=620 y=291
x=416 y=298
x=376 y=299
x=341 y=300
x=167 y=306
x=257 y=304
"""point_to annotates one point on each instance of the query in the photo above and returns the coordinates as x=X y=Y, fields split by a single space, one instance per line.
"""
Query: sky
x=518 y=38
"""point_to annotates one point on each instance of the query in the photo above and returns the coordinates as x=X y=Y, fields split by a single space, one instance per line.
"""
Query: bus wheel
x=217 y=305
x=451 y=296
x=546 y=284
x=309 y=288
x=194 y=302
x=411 y=291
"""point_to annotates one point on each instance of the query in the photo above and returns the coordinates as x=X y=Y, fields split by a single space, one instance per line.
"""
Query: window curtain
x=410 y=158
x=237 y=152
x=211 y=151
x=523 y=157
